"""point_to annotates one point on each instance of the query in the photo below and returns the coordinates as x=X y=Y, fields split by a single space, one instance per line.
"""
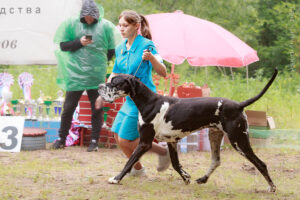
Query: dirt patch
x=73 y=173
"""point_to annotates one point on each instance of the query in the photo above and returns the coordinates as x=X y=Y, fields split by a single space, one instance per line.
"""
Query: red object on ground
x=189 y=92
x=33 y=132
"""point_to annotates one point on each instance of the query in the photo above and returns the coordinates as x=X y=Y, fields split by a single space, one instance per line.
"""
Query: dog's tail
x=253 y=99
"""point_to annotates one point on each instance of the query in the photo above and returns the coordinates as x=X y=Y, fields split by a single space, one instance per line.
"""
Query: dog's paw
x=202 y=180
x=272 y=188
x=187 y=178
x=112 y=180
x=187 y=181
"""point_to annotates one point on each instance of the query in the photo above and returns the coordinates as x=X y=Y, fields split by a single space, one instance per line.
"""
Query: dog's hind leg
x=239 y=139
x=215 y=138
x=146 y=137
x=175 y=162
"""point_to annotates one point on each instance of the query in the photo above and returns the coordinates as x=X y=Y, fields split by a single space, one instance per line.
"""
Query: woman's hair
x=134 y=18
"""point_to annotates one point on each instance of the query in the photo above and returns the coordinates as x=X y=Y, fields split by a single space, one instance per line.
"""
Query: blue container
x=183 y=145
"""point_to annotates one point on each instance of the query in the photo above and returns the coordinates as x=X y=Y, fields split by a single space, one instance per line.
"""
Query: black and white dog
x=170 y=119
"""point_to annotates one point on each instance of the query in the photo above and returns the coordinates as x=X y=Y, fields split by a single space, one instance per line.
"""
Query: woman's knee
x=128 y=143
x=116 y=138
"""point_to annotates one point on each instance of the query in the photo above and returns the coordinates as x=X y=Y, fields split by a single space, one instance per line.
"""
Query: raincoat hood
x=89 y=8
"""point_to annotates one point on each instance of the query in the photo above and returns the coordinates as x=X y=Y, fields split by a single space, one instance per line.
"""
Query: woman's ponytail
x=145 y=29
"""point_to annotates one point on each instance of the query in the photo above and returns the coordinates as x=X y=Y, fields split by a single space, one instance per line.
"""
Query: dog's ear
x=126 y=83
x=113 y=81
x=132 y=83
x=132 y=86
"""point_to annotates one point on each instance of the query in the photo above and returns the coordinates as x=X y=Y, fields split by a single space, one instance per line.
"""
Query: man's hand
x=99 y=103
x=85 y=41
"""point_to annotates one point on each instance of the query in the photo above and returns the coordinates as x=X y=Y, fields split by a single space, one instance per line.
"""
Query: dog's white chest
x=164 y=130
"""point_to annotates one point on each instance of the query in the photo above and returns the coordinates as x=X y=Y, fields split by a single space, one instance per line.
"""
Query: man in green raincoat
x=86 y=44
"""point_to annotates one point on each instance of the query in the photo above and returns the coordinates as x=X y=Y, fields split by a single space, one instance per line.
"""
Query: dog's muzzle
x=107 y=93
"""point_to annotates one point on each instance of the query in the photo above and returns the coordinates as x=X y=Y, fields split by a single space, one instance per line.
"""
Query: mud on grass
x=73 y=173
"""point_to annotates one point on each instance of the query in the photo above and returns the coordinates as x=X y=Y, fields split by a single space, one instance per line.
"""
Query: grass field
x=75 y=174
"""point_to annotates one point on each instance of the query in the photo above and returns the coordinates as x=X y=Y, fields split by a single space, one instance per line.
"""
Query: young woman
x=129 y=55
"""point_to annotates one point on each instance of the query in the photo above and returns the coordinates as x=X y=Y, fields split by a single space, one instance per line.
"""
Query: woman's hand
x=147 y=55
x=99 y=103
x=111 y=76
x=160 y=68
x=85 y=41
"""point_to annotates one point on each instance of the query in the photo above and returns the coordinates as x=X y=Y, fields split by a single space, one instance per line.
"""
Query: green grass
x=44 y=80
x=73 y=173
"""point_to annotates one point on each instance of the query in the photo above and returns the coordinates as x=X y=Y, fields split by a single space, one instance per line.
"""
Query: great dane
x=170 y=119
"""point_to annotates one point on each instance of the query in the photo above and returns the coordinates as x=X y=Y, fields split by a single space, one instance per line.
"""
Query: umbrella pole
x=171 y=80
x=206 y=75
x=247 y=75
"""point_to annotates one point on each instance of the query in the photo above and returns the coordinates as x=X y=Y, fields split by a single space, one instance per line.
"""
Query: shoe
x=93 y=146
x=58 y=144
x=164 y=162
x=138 y=172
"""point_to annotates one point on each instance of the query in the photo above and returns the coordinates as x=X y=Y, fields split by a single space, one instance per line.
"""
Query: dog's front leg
x=137 y=154
x=146 y=137
x=175 y=162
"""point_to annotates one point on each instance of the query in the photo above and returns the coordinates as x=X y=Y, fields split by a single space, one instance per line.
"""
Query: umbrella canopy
x=179 y=36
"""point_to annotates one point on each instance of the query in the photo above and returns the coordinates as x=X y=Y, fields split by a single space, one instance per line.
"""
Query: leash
x=150 y=49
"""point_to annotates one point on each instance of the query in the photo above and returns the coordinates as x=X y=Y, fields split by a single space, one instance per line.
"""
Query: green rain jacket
x=86 y=67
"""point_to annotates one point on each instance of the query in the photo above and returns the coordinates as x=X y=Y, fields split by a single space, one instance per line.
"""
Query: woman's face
x=127 y=30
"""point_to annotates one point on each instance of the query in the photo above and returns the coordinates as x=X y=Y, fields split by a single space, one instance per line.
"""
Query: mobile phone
x=88 y=37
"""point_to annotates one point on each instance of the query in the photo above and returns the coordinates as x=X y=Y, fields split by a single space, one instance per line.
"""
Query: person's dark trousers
x=71 y=102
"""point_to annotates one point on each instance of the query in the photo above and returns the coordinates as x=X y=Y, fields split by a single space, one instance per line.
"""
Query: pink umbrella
x=179 y=36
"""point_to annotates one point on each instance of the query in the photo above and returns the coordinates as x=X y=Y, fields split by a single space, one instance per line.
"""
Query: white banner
x=27 y=28
x=11 y=132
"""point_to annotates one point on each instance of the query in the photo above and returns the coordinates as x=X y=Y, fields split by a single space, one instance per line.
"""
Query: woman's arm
x=159 y=67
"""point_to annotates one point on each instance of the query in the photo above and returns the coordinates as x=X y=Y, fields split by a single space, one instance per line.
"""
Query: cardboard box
x=256 y=118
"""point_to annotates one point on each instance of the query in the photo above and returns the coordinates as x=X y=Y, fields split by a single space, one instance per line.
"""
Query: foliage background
x=272 y=27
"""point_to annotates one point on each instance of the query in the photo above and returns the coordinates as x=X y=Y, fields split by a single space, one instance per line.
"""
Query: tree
x=278 y=25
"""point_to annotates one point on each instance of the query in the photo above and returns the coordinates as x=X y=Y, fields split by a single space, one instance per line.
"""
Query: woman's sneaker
x=138 y=172
x=163 y=162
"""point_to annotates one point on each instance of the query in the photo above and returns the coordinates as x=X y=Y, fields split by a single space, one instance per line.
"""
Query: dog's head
x=120 y=86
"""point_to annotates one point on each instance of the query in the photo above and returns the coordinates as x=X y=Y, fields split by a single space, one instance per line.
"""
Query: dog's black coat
x=170 y=119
